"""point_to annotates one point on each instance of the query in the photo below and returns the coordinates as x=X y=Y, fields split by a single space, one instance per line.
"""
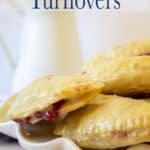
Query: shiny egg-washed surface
x=46 y=91
x=125 y=76
x=108 y=122
x=124 y=69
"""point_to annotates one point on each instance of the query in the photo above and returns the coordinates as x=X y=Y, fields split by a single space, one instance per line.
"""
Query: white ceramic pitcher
x=49 y=45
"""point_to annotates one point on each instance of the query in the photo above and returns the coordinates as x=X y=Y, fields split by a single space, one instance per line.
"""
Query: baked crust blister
x=109 y=122
x=49 y=90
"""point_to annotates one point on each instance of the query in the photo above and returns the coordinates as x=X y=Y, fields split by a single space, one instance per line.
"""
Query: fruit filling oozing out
x=49 y=114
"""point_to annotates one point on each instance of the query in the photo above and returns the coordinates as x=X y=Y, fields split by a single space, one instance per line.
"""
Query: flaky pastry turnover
x=108 y=122
x=125 y=77
x=48 y=98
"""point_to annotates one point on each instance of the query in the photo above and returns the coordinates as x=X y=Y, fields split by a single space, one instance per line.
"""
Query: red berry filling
x=26 y=120
x=44 y=115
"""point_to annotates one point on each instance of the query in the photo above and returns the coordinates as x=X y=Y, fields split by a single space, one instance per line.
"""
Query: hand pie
x=48 y=98
x=135 y=48
x=128 y=77
x=108 y=122
x=5 y=107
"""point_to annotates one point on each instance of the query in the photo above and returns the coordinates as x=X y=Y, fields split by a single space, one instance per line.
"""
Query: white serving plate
x=12 y=129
